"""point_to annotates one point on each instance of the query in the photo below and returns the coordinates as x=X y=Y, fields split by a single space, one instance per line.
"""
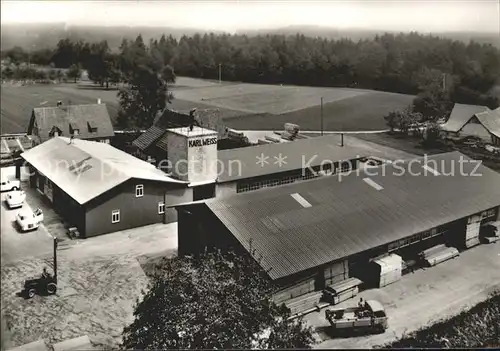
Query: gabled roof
x=460 y=115
x=295 y=155
x=303 y=225
x=86 y=169
x=76 y=116
x=491 y=121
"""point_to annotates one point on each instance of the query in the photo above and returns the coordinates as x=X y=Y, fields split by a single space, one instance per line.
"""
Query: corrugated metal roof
x=460 y=115
x=149 y=137
x=294 y=155
x=78 y=116
x=491 y=121
x=86 y=169
x=348 y=216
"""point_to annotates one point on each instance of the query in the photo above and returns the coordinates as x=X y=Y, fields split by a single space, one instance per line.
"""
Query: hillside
x=43 y=35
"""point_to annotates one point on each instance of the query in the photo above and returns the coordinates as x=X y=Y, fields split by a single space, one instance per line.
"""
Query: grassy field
x=242 y=106
x=477 y=328
x=361 y=112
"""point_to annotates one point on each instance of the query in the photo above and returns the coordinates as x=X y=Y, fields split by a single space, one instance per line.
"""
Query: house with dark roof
x=88 y=122
x=323 y=231
x=98 y=188
x=473 y=120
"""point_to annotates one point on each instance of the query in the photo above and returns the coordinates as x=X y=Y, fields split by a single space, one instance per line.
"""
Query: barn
x=314 y=233
x=98 y=188
x=473 y=121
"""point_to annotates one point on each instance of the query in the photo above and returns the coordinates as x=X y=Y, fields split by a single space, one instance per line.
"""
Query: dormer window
x=54 y=132
x=73 y=131
x=91 y=127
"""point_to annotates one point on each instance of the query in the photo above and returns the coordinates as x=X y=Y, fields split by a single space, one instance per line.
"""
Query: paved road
x=425 y=296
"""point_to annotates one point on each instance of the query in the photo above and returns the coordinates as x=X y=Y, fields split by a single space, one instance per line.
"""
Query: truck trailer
x=370 y=316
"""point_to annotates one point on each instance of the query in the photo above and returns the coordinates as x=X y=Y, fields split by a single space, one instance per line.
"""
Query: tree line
x=439 y=71
x=389 y=62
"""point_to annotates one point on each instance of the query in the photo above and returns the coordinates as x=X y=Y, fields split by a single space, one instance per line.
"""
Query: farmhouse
x=96 y=187
x=89 y=122
x=324 y=231
x=472 y=120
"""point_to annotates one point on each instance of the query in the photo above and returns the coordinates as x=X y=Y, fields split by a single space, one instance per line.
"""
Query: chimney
x=99 y=101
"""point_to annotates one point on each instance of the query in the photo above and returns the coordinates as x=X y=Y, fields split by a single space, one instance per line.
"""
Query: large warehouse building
x=67 y=172
x=326 y=230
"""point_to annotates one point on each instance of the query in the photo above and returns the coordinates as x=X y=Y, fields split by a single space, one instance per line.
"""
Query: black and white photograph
x=252 y=174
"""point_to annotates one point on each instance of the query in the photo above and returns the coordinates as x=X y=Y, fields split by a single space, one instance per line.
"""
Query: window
x=161 y=207
x=139 y=190
x=115 y=216
x=76 y=131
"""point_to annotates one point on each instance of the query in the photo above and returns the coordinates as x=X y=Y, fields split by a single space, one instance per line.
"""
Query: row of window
x=269 y=183
x=115 y=214
x=413 y=239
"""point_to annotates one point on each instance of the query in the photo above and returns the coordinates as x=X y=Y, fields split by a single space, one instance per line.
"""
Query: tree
x=213 y=301
x=433 y=104
x=392 y=120
x=74 y=72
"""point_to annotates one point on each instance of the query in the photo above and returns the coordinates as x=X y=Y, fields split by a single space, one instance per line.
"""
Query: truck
x=29 y=220
x=370 y=316
x=16 y=199
x=9 y=185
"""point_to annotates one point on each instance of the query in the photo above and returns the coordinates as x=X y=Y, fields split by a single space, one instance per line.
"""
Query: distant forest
x=402 y=63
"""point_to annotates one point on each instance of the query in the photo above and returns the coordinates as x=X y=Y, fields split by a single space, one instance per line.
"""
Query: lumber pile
x=438 y=254
x=303 y=303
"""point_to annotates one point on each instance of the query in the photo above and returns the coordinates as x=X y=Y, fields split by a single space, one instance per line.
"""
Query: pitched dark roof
x=309 y=152
x=491 y=121
x=78 y=116
x=349 y=215
x=460 y=115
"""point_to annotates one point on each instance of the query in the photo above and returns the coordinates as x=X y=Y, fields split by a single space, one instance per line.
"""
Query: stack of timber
x=438 y=254
x=472 y=231
x=389 y=269
x=342 y=291
x=304 y=302
x=235 y=135
x=493 y=232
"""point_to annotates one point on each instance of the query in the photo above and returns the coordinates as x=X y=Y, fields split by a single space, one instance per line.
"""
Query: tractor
x=44 y=285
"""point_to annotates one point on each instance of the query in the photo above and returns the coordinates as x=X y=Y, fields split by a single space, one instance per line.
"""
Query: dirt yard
x=99 y=281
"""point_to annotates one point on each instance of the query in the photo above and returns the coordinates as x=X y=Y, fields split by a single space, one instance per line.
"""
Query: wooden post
x=341 y=139
x=55 y=259
x=321 y=115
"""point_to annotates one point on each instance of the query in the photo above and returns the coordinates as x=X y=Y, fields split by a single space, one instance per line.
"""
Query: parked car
x=16 y=199
x=28 y=220
x=9 y=185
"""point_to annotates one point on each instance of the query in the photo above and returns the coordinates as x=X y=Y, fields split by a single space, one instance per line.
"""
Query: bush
x=477 y=328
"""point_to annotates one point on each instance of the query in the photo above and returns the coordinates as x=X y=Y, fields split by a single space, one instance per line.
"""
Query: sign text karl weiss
x=202 y=142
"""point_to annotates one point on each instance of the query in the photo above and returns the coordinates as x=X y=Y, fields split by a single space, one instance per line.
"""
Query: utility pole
x=321 y=115
x=220 y=74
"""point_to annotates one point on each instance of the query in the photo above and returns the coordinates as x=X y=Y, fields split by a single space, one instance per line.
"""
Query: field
x=242 y=106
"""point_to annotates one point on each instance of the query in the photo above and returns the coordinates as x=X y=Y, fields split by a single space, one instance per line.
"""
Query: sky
x=402 y=15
